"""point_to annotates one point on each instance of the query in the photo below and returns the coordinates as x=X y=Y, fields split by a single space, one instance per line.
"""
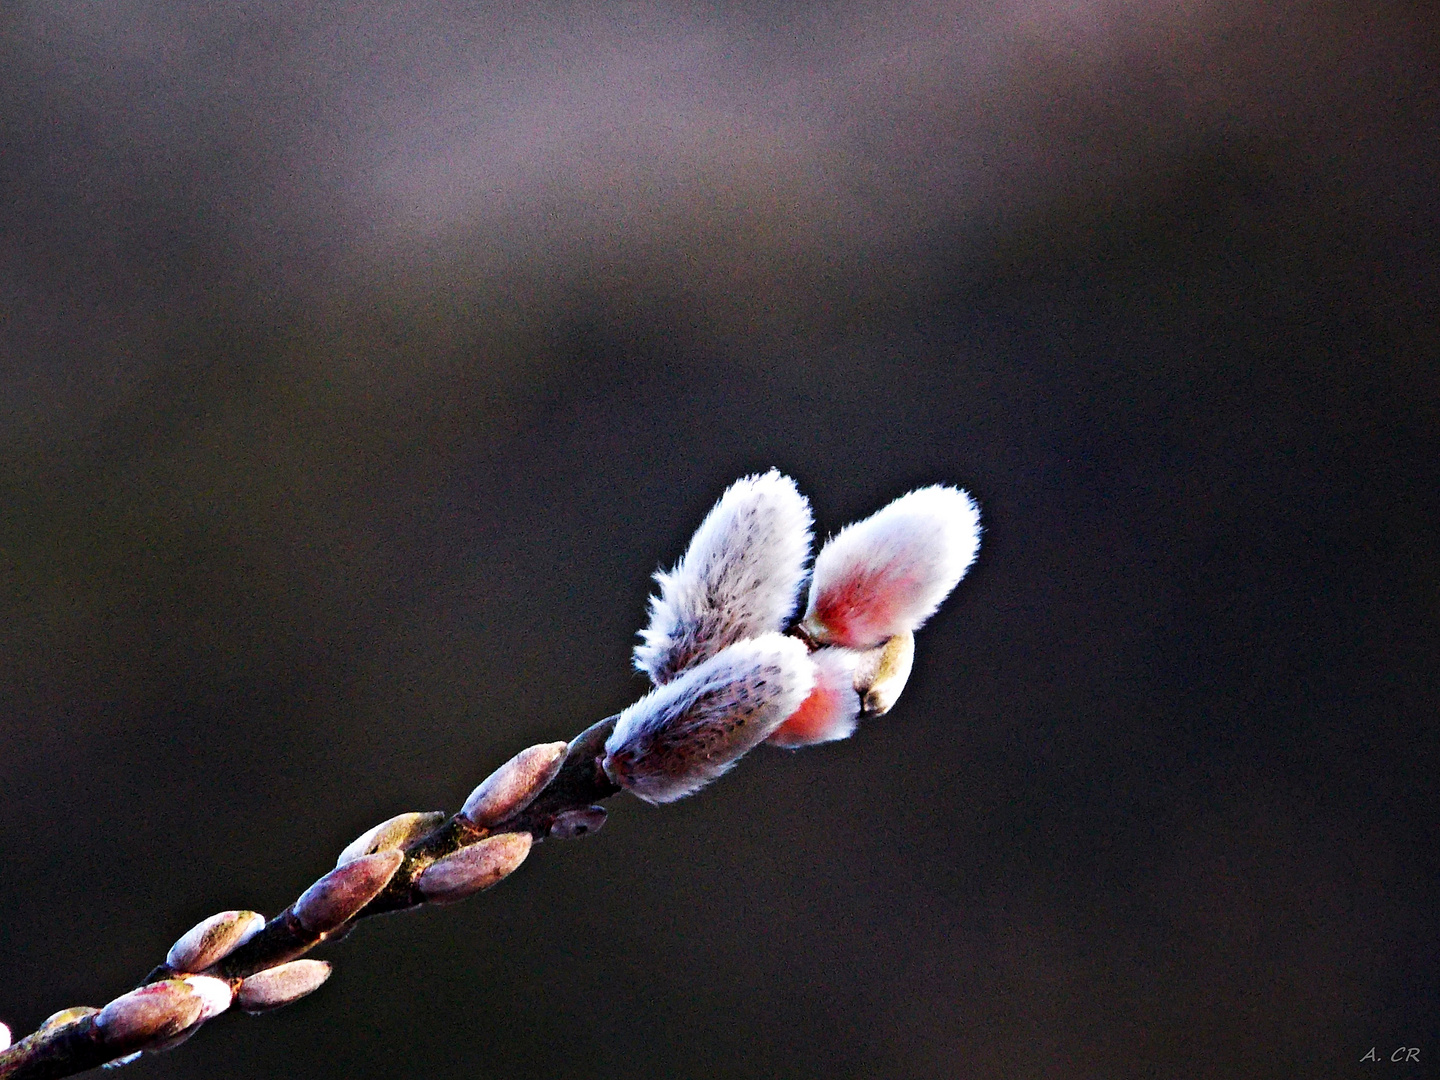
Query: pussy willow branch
x=580 y=783
x=727 y=676
x=75 y=1047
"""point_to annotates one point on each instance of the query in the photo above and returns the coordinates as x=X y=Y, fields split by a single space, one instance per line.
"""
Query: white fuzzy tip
x=833 y=707
x=738 y=579
x=4 y=1037
x=215 y=995
x=681 y=736
x=887 y=574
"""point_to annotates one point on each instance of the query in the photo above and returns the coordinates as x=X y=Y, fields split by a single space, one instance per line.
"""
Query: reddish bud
x=332 y=900
x=510 y=788
x=282 y=984
x=473 y=868
x=212 y=940
x=148 y=1016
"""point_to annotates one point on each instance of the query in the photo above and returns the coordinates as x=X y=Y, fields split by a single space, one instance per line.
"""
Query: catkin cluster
x=735 y=660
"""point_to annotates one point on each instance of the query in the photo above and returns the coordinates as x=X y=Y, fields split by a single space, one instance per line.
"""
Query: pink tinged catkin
x=738 y=579
x=212 y=940
x=474 y=868
x=512 y=787
x=280 y=985
x=332 y=900
x=887 y=574
x=686 y=733
x=848 y=684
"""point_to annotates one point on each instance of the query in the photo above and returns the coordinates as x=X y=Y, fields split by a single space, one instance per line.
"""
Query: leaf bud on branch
x=513 y=786
x=474 y=868
x=280 y=985
x=212 y=940
x=336 y=897
x=395 y=834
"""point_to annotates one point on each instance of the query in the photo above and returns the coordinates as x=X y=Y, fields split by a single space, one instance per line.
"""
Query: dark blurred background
x=361 y=361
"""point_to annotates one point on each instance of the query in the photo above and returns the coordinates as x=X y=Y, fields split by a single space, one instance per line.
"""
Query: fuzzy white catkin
x=887 y=574
x=686 y=733
x=738 y=579
x=4 y=1037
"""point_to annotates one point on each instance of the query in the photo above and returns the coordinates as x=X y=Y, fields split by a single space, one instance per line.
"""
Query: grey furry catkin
x=738 y=579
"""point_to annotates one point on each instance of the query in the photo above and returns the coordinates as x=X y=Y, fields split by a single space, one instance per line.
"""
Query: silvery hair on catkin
x=684 y=734
x=739 y=578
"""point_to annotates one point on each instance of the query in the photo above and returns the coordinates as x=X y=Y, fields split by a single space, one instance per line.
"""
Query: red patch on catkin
x=887 y=574
x=859 y=611
x=830 y=710
x=811 y=723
